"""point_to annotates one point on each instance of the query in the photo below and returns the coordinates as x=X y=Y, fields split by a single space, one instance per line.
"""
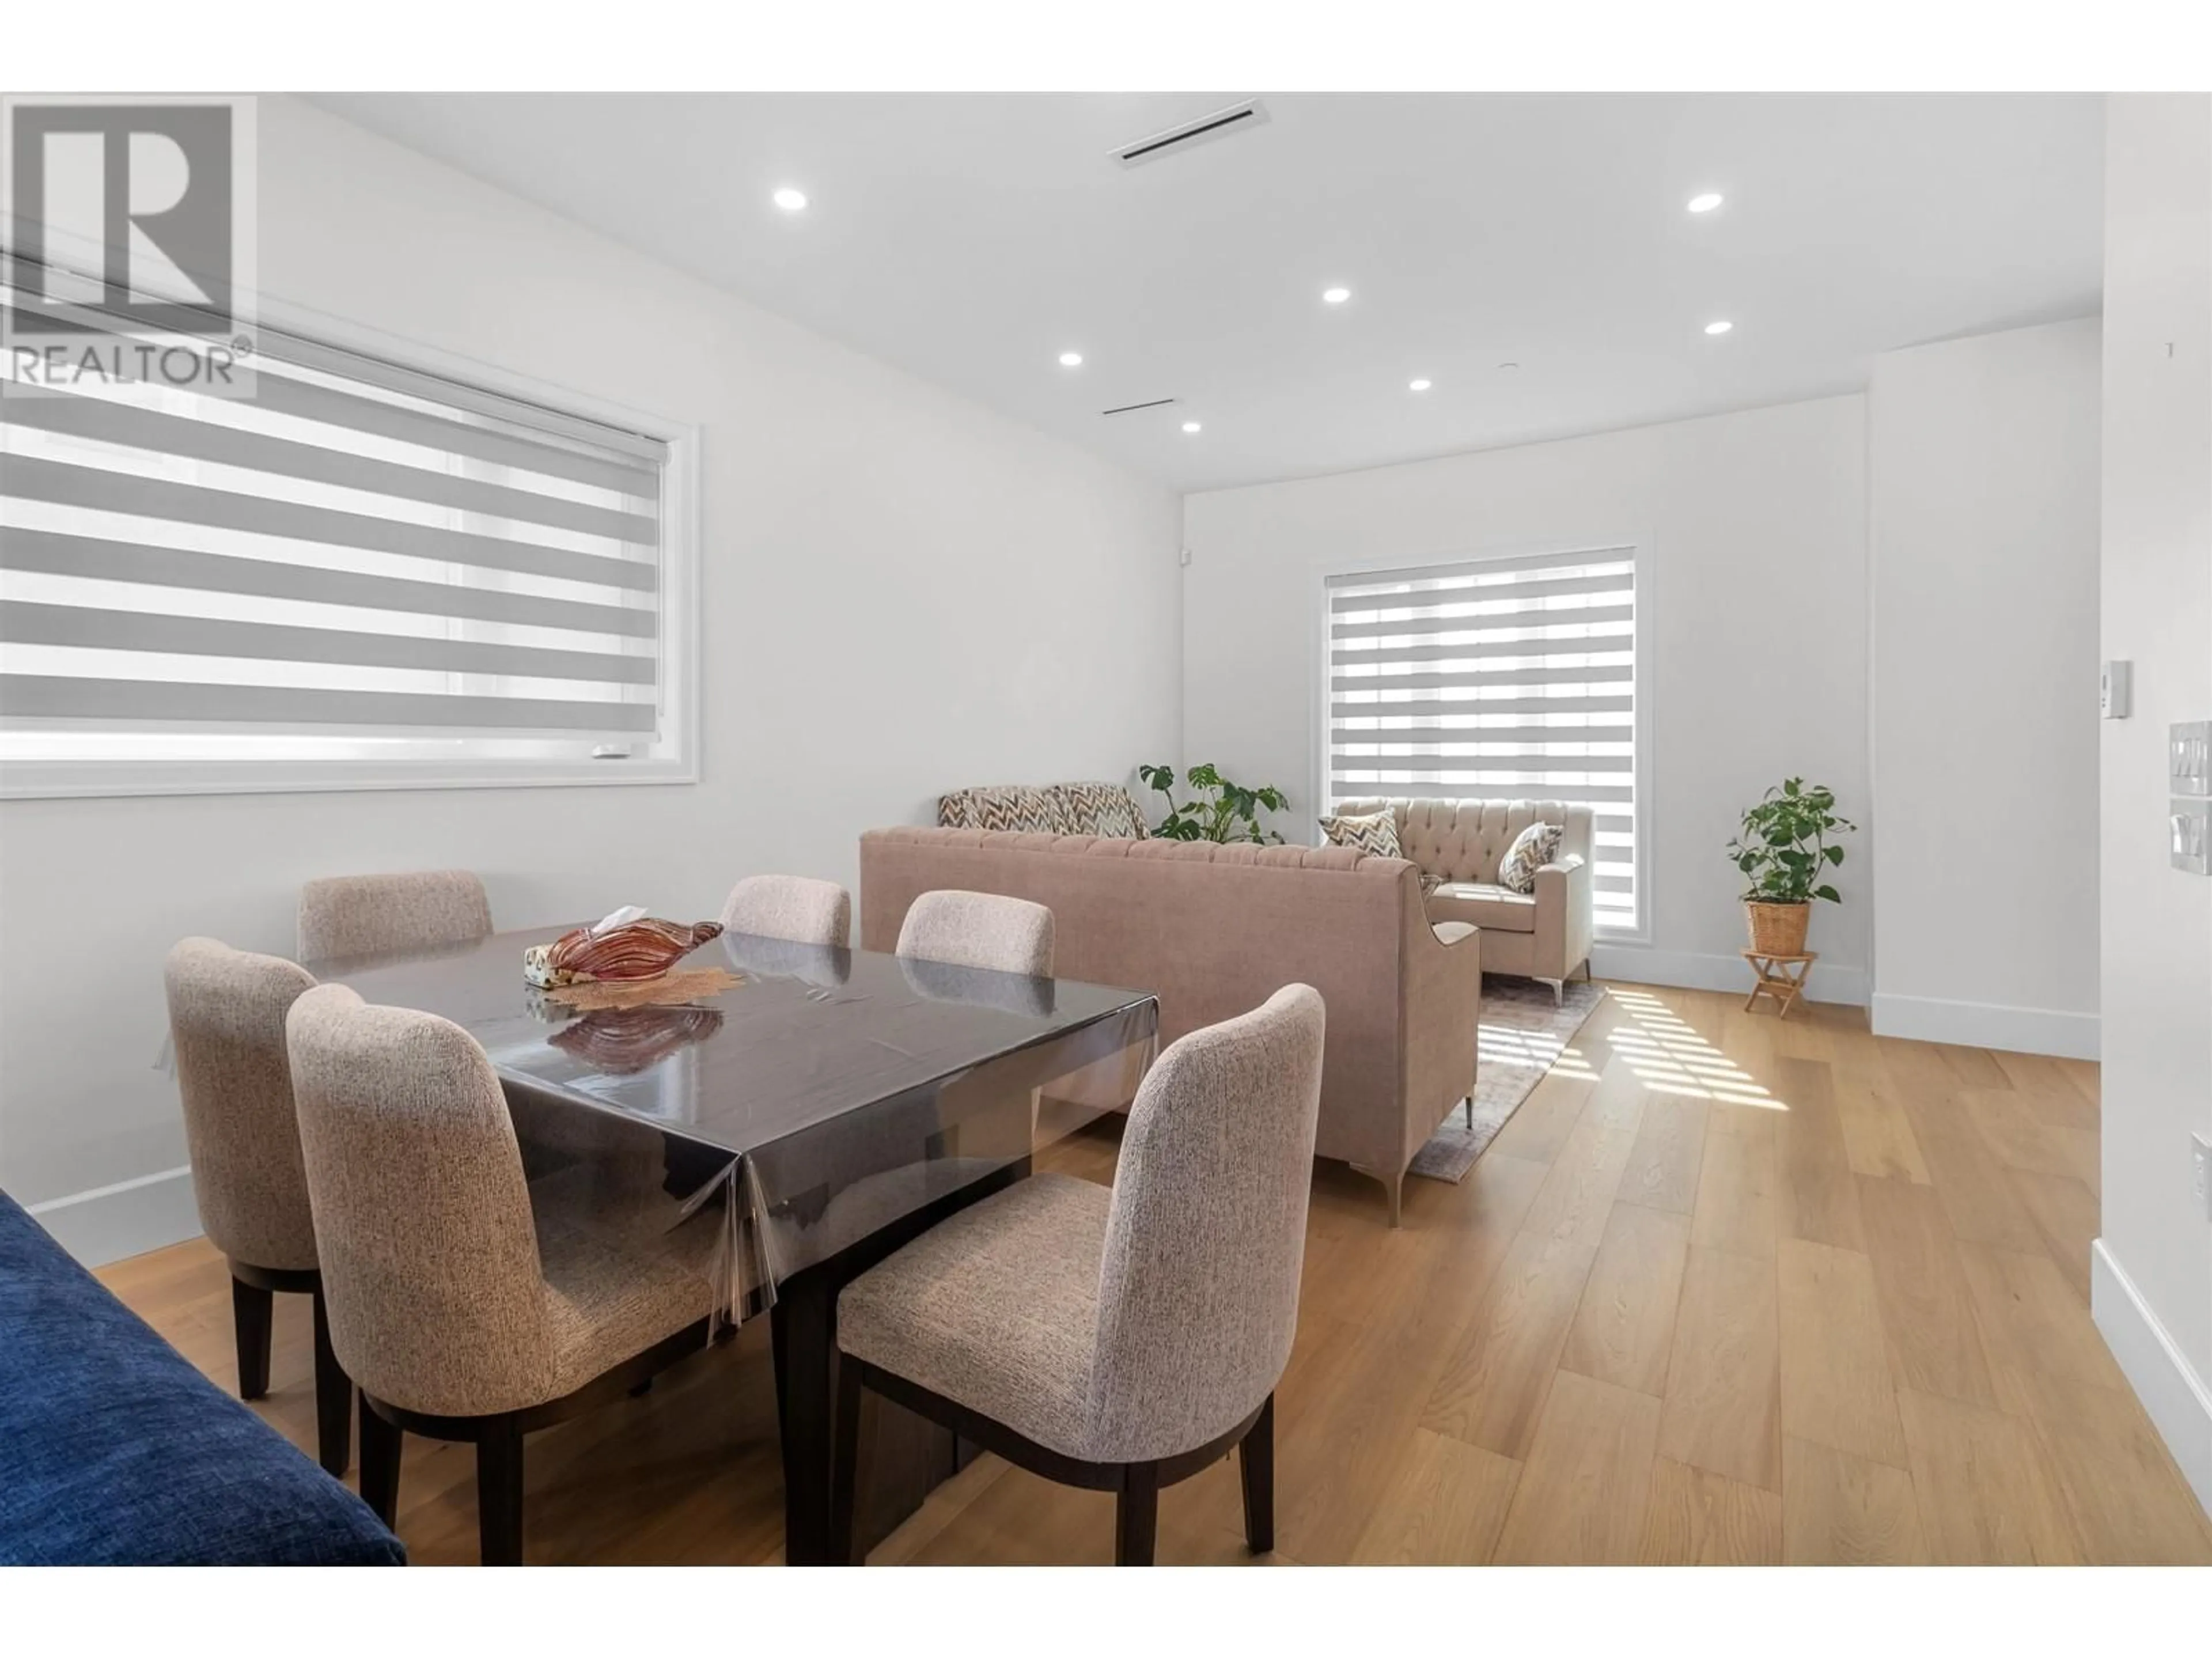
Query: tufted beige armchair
x=1458 y=845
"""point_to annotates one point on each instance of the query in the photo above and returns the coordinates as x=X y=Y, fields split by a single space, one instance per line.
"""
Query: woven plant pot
x=1777 y=930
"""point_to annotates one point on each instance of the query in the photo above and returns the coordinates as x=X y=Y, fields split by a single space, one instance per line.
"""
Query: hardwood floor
x=1724 y=1290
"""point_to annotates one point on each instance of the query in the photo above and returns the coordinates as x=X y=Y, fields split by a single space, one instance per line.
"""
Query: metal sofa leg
x=1392 y=1186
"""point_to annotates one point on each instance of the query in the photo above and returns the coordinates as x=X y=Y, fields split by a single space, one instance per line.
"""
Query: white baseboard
x=2179 y=1404
x=1987 y=1025
x=128 y=1219
x=1693 y=970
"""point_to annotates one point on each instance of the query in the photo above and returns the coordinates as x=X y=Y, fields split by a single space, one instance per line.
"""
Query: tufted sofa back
x=1466 y=840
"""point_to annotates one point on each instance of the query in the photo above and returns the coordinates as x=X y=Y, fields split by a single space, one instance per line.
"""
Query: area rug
x=1522 y=1033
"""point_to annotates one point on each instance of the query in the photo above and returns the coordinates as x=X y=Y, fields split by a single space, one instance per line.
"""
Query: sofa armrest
x=1442 y=1008
x=1566 y=916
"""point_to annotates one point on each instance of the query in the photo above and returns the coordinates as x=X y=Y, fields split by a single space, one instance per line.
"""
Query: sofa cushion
x=1486 y=904
x=1096 y=808
x=114 y=1450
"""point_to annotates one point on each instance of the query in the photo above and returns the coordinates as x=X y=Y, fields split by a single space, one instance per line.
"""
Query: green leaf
x=1835 y=853
x=1829 y=894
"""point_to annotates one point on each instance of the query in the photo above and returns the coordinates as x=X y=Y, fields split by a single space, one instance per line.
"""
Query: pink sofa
x=1215 y=931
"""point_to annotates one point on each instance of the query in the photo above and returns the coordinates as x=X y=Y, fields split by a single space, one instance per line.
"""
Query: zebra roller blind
x=1507 y=678
x=357 y=562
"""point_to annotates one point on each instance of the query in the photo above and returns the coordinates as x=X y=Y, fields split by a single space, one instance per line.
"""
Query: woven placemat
x=685 y=985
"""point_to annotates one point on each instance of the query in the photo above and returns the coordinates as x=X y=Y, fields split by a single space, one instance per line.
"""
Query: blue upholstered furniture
x=113 y=1449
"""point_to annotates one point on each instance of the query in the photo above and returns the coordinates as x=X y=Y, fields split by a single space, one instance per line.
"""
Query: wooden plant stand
x=1775 y=980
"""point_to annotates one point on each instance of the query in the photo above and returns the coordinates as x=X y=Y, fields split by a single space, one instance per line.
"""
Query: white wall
x=1983 y=544
x=2151 y=1275
x=1753 y=619
x=903 y=593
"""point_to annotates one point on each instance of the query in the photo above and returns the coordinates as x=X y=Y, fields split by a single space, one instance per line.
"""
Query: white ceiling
x=971 y=239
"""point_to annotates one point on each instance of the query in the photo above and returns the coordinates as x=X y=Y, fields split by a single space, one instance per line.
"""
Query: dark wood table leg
x=804 y=1325
x=902 y=1456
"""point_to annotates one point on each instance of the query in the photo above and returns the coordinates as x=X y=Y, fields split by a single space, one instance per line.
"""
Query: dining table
x=789 y=1114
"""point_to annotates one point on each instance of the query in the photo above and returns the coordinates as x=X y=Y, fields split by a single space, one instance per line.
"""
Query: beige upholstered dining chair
x=360 y=915
x=1118 y=1339
x=463 y=1309
x=227 y=1012
x=979 y=930
x=796 y=908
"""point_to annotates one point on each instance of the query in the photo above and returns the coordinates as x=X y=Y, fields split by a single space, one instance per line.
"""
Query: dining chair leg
x=499 y=1492
x=844 y=1461
x=1255 y=1457
x=379 y=1462
x=333 y=1399
x=1470 y=1111
x=1137 y=1515
x=252 y=1311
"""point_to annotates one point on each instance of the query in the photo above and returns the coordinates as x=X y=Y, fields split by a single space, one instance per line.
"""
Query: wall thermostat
x=2113 y=691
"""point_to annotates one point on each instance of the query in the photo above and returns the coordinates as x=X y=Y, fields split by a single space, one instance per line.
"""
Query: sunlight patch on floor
x=1668 y=1056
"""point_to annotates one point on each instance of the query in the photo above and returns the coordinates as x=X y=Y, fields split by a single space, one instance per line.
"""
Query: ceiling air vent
x=1175 y=140
x=1131 y=409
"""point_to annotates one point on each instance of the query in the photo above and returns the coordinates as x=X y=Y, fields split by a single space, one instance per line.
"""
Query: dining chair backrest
x=430 y=1255
x=979 y=930
x=796 y=908
x=362 y=916
x=1198 y=1290
x=227 y=1012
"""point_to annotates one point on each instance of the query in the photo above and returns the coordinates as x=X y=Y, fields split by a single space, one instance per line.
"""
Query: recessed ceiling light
x=1721 y=327
x=1418 y=385
x=1071 y=360
x=1336 y=296
x=1190 y=426
x=1706 y=201
x=1508 y=365
x=790 y=200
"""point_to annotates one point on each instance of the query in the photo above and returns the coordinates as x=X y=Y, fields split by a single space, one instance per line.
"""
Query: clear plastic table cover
x=757 y=1131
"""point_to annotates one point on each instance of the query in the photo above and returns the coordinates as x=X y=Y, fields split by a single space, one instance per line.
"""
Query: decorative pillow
x=1377 y=833
x=1002 y=806
x=1532 y=849
x=1098 y=809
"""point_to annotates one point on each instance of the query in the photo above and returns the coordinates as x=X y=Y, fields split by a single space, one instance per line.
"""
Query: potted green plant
x=1225 y=811
x=1785 y=850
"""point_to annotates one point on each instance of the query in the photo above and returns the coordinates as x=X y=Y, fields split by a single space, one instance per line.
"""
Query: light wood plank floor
x=1724 y=1290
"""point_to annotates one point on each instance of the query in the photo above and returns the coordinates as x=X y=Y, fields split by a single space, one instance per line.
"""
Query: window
x=364 y=574
x=1508 y=677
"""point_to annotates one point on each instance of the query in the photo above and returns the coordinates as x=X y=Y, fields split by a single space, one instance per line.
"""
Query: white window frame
x=680 y=699
x=1637 y=547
